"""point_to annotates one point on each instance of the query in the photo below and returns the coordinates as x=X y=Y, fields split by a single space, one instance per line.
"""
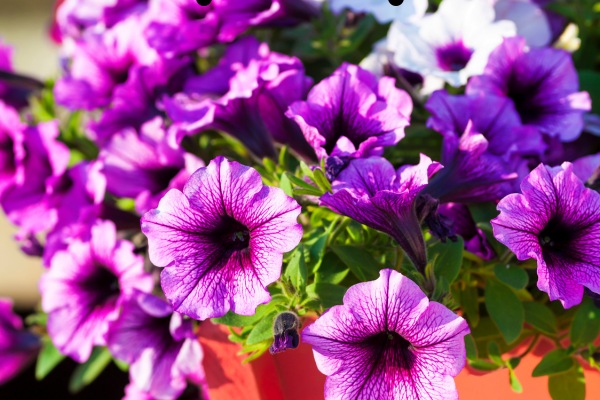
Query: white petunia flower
x=530 y=19
x=382 y=10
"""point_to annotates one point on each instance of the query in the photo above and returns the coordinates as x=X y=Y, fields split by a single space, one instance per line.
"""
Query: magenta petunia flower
x=556 y=221
x=144 y=166
x=543 y=84
x=372 y=193
x=352 y=114
x=18 y=347
x=222 y=240
x=85 y=286
x=388 y=341
x=160 y=346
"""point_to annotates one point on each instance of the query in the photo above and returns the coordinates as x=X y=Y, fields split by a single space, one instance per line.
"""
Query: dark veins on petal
x=390 y=350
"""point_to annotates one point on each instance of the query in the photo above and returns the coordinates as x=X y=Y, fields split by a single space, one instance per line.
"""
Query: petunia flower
x=18 y=347
x=388 y=341
x=372 y=193
x=221 y=240
x=453 y=43
x=556 y=221
x=382 y=10
x=85 y=286
x=352 y=114
x=159 y=345
x=461 y=222
x=530 y=19
x=543 y=84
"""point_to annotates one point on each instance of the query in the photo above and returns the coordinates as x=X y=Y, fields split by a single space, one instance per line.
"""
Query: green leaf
x=555 y=362
x=586 y=323
x=263 y=330
x=541 y=318
x=494 y=353
x=515 y=385
x=285 y=185
x=470 y=305
x=512 y=275
x=86 y=373
x=470 y=347
x=447 y=259
x=321 y=180
x=483 y=365
x=296 y=270
x=569 y=385
x=232 y=319
x=122 y=365
x=48 y=358
x=360 y=262
x=330 y=295
x=590 y=82
x=331 y=270
x=504 y=309
x=315 y=250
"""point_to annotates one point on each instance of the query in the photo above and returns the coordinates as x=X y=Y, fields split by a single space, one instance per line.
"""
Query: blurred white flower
x=382 y=10
x=530 y=19
x=453 y=43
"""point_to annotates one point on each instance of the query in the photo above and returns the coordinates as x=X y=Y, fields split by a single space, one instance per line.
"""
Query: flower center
x=391 y=348
x=7 y=157
x=232 y=234
x=453 y=56
x=523 y=95
x=555 y=237
x=162 y=177
x=103 y=283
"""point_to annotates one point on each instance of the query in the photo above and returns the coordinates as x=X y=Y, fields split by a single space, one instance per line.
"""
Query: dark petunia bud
x=285 y=332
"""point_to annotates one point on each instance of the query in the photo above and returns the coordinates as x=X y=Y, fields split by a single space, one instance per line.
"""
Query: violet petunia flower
x=221 y=240
x=461 y=222
x=388 y=341
x=556 y=221
x=530 y=19
x=144 y=166
x=588 y=170
x=159 y=345
x=18 y=347
x=372 y=193
x=85 y=286
x=543 y=84
x=246 y=96
x=352 y=114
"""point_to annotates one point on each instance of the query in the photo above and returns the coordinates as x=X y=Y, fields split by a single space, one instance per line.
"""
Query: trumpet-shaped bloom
x=18 y=347
x=543 y=84
x=556 y=221
x=461 y=222
x=453 y=43
x=85 y=286
x=160 y=346
x=221 y=240
x=352 y=114
x=372 y=193
x=388 y=341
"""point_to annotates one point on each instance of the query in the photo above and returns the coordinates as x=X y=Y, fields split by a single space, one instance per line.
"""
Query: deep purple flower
x=556 y=221
x=83 y=290
x=245 y=95
x=372 y=193
x=222 y=240
x=18 y=347
x=388 y=341
x=160 y=346
x=462 y=223
x=144 y=166
x=471 y=173
x=352 y=114
x=543 y=84
x=285 y=332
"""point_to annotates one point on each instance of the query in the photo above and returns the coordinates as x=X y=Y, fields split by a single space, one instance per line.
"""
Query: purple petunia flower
x=388 y=341
x=556 y=221
x=145 y=166
x=529 y=18
x=462 y=223
x=543 y=84
x=18 y=347
x=245 y=95
x=352 y=114
x=372 y=193
x=83 y=290
x=588 y=169
x=222 y=240
x=160 y=346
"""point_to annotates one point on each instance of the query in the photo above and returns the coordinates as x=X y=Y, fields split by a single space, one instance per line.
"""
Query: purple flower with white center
x=352 y=114
x=18 y=347
x=388 y=341
x=372 y=193
x=222 y=240
x=246 y=96
x=462 y=223
x=85 y=286
x=160 y=346
x=179 y=27
x=451 y=44
x=556 y=221
x=494 y=117
x=543 y=84
x=381 y=10
x=471 y=173
x=529 y=18
x=144 y=166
